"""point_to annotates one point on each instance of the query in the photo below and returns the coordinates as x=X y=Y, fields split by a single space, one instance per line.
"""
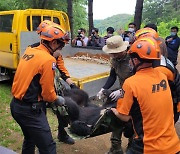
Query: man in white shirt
x=80 y=39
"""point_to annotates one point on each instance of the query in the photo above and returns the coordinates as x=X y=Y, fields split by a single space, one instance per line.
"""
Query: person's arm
x=124 y=104
x=111 y=79
x=100 y=42
x=174 y=46
x=83 y=43
x=109 y=83
x=47 y=81
x=89 y=43
x=74 y=41
x=63 y=71
x=122 y=117
x=177 y=84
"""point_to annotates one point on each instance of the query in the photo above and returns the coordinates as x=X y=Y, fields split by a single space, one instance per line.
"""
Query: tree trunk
x=175 y=5
x=138 y=13
x=44 y=3
x=34 y=4
x=39 y=4
x=90 y=15
x=70 y=15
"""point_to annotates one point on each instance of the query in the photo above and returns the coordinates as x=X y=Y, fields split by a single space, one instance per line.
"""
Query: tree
x=138 y=13
x=156 y=11
x=90 y=15
x=70 y=15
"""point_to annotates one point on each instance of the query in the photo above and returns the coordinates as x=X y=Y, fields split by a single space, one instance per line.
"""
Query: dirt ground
x=95 y=145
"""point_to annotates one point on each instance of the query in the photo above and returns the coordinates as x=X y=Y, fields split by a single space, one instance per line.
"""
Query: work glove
x=73 y=86
x=100 y=94
x=115 y=95
x=60 y=101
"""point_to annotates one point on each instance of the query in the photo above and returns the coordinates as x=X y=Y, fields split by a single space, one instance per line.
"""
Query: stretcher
x=106 y=123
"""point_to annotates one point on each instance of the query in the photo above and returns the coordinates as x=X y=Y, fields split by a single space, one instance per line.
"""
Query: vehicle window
x=56 y=20
x=36 y=20
x=46 y=18
x=6 y=23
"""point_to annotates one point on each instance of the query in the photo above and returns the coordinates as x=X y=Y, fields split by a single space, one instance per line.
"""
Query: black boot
x=116 y=143
x=66 y=139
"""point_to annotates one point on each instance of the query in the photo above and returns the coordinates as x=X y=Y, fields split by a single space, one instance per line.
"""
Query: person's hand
x=100 y=93
x=73 y=86
x=169 y=40
x=115 y=111
x=60 y=101
x=115 y=95
x=89 y=38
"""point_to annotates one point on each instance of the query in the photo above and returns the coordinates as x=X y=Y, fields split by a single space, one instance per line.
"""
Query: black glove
x=73 y=86
x=60 y=101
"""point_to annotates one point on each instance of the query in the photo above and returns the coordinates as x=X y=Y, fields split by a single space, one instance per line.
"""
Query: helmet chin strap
x=134 y=70
x=50 y=48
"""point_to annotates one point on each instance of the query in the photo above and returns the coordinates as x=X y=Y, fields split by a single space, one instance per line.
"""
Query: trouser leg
x=116 y=142
x=35 y=128
x=62 y=134
x=62 y=123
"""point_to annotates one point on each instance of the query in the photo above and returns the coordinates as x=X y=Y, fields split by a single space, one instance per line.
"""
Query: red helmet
x=54 y=31
x=146 y=48
x=146 y=32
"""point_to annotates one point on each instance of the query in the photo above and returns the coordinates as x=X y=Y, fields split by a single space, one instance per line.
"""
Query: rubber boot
x=116 y=143
x=64 y=137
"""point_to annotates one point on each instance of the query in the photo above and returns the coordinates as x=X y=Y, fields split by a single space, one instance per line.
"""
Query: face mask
x=173 y=33
x=109 y=35
x=82 y=35
x=131 y=29
x=127 y=39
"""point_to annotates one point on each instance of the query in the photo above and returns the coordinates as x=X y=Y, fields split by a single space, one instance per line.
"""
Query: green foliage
x=10 y=132
x=156 y=11
x=116 y=21
x=79 y=8
x=79 y=15
x=7 y=125
x=165 y=27
x=163 y=13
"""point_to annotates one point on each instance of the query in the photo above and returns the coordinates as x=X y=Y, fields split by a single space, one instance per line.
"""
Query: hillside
x=116 y=21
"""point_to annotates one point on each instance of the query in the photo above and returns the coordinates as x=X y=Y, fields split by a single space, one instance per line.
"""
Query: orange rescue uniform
x=33 y=85
x=63 y=71
x=148 y=100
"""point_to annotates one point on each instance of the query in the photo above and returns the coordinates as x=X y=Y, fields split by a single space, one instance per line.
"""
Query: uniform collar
x=42 y=47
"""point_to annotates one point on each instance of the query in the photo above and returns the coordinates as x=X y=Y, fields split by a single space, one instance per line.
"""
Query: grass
x=10 y=133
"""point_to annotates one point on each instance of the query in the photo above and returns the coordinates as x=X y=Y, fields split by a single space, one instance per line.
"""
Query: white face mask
x=131 y=29
x=82 y=35
x=109 y=35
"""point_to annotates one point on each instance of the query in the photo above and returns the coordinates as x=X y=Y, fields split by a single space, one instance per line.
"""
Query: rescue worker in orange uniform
x=147 y=101
x=165 y=66
x=33 y=85
x=62 y=121
x=60 y=62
